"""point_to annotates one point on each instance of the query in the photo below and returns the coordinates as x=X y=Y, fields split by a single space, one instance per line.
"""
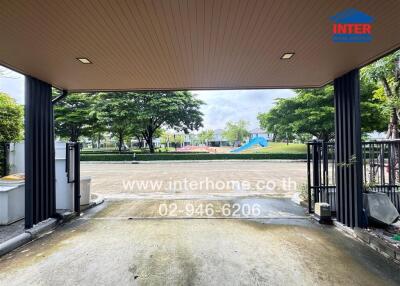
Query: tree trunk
x=121 y=142
x=151 y=144
x=148 y=137
x=140 y=141
x=74 y=135
x=325 y=137
x=393 y=127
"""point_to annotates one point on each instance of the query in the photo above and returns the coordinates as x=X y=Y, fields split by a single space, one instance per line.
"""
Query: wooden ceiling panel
x=187 y=44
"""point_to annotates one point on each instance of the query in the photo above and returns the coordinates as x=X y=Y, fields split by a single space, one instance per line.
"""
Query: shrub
x=107 y=157
x=189 y=156
x=109 y=152
x=11 y=119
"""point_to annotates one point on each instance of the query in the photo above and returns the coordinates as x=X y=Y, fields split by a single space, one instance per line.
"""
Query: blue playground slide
x=256 y=140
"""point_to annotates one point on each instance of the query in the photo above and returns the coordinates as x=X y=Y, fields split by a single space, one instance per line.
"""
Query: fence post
x=77 y=178
x=316 y=169
x=310 y=210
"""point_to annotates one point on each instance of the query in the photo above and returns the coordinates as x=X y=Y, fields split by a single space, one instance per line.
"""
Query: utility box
x=379 y=208
x=323 y=212
x=12 y=201
x=85 y=191
x=17 y=158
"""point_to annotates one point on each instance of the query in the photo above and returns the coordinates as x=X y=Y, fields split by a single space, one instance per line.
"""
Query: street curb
x=194 y=161
x=94 y=203
x=29 y=235
x=14 y=243
x=41 y=229
x=68 y=216
x=375 y=242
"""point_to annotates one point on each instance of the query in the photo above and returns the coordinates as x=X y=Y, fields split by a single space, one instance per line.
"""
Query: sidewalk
x=15 y=235
x=9 y=231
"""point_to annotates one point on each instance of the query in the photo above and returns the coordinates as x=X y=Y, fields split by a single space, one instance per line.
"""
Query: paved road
x=196 y=178
x=128 y=242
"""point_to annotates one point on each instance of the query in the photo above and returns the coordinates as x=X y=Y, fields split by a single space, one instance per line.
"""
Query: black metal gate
x=321 y=174
x=380 y=171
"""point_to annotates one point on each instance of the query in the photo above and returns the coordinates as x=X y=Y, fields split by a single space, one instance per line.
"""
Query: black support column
x=348 y=149
x=39 y=152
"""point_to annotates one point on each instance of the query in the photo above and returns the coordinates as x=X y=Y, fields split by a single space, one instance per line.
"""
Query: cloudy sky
x=233 y=105
x=12 y=83
x=221 y=105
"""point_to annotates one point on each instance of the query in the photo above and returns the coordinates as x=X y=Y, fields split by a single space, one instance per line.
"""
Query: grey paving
x=12 y=230
x=107 y=247
x=128 y=240
x=275 y=178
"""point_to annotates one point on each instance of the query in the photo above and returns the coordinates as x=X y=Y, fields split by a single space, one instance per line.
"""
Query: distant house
x=190 y=139
x=258 y=132
x=218 y=139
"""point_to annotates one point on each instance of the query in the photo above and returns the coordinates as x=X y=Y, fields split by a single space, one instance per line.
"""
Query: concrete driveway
x=164 y=238
x=125 y=243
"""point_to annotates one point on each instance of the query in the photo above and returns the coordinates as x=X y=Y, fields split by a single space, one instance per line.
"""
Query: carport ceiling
x=188 y=44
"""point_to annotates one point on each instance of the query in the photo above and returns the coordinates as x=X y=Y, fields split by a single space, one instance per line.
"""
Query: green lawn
x=278 y=147
x=273 y=151
x=273 y=148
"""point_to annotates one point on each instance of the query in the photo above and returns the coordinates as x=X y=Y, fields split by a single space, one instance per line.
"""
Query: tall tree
x=279 y=120
x=236 y=131
x=311 y=113
x=386 y=72
x=137 y=132
x=118 y=112
x=206 y=136
x=168 y=138
x=11 y=119
x=74 y=116
x=178 y=110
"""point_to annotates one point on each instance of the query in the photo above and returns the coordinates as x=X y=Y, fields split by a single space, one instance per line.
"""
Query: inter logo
x=352 y=26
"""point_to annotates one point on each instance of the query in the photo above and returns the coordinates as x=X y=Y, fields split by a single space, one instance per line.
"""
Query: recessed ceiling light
x=84 y=60
x=287 y=56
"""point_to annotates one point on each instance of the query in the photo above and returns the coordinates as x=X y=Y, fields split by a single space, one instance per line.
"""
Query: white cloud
x=12 y=83
x=232 y=105
x=221 y=105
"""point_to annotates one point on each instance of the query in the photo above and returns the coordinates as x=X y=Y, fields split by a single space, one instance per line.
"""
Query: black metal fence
x=4 y=159
x=381 y=172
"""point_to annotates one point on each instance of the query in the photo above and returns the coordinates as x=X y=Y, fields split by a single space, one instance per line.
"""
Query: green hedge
x=106 y=157
x=187 y=156
x=112 y=152
x=104 y=152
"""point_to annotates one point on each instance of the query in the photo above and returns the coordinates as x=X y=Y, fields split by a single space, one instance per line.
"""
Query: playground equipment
x=256 y=140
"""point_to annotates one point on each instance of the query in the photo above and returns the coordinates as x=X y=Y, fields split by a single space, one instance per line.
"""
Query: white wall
x=17 y=158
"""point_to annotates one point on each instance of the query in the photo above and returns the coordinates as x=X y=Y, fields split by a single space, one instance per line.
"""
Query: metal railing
x=380 y=166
